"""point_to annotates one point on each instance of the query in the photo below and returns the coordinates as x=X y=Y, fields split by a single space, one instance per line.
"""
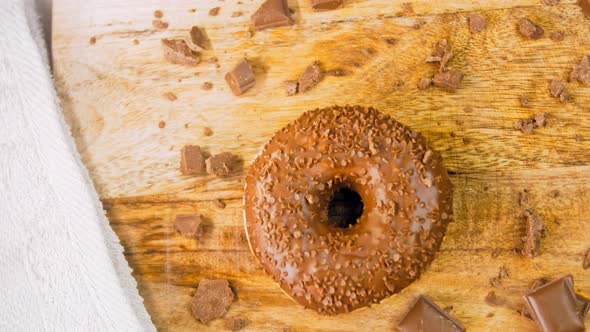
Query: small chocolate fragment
x=493 y=299
x=550 y=2
x=207 y=131
x=424 y=83
x=524 y=101
x=442 y=47
x=211 y=300
x=219 y=203
x=557 y=36
x=188 y=224
x=534 y=232
x=450 y=80
x=581 y=72
x=235 y=323
x=290 y=87
x=325 y=4
x=557 y=89
x=158 y=14
x=310 y=77
x=207 y=86
x=221 y=164
x=214 y=11
x=477 y=23
x=92 y=40
x=586 y=263
x=585 y=4
x=553 y=306
x=135 y=42
x=159 y=24
x=445 y=59
x=169 y=96
x=177 y=51
x=196 y=39
x=553 y=193
x=162 y=124
x=191 y=160
x=241 y=78
x=272 y=14
x=427 y=316
x=529 y=29
x=540 y=119
x=527 y=125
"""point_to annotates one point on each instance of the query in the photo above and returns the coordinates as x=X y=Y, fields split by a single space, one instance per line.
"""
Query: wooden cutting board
x=111 y=95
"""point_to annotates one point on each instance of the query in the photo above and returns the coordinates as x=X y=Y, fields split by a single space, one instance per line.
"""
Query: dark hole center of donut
x=345 y=207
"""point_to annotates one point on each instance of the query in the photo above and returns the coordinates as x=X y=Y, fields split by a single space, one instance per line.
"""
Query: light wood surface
x=111 y=95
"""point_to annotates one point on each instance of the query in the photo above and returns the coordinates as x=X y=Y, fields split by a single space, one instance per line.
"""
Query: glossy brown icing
x=405 y=191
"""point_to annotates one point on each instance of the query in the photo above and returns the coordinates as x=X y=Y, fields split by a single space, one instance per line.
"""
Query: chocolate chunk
x=196 y=39
x=191 y=160
x=290 y=87
x=427 y=316
x=207 y=86
x=211 y=300
x=534 y=232
x=553 y=193
x=207 y=131
x=424 y=83
x=159 y=24
x=214 y=11
x=235 y=323
x=310 y=77
x=550 y=2
x=450 y=80
x=524 y=101
x=477 y=23
x=177 y=51
x=553 y=306
x=586 y=263
x=581 y=72
x=241 y=78
x=271 y=14
x=557 y=89
x=169 y=96
x=221 y=164
x=557 y=36
x=532 y=286
x=529 y=29
x=219 y=203
x=188 y=224
x=493 y=299
x=585 y=4
x=158 y=14
x=325 y=4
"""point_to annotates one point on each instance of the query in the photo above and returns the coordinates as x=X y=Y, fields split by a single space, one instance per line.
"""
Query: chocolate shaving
x=191 y=160
x=221 y=164
x=159 y=24
x=529 y=29
x=177 y=51
x=586 y=262
x=196 y=39
x=493 y=299
x=241 y=78
x=214 y=11
x=450 y=80
x=188 y=224
x=557 y=89
x=477 y=23
x=325 y=4
x=271 y=14
x=310 y=78
x=290 y=87
x=424 y=83
x=211 y=300
x=581 y=72
x=534 y=232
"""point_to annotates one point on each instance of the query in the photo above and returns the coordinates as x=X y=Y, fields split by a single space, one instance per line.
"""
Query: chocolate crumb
x=534 y=232
x=236 y=14
x=207 y=131
x=186 y=125
x=496 y=252
x=540 y=120
x=581 y=72
x=196 y=39
x=452 y=134
x=191 y=160
x=424 y=83
x=477 y=23
x=169 y=96
x=586 y=263
x=290 y=87
x=158 y=14
x=219 y=203
x=159 y=24
x=135 y=42
x=493 y=299
x=550 y=2
x=466 y=140
x=557 y=89
x=448 y=308
x=92 y=40
x=390 y=41
x=188 y=224
x=214 y=11
x=221 y=164
x=211 y=300
x=161 y=124
x=450 y=80
x=529 y=29
x=192 y=10
x=207 y=86
x=524 y=101
x=553 y=193
x=235 y=323
x=177 y=51
x=489 y=315
x=557 y=36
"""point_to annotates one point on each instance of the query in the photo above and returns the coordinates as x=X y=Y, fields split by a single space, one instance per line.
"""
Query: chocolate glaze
x=405 y=190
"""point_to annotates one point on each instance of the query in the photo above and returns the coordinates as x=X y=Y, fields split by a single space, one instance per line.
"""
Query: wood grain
x=111 y=95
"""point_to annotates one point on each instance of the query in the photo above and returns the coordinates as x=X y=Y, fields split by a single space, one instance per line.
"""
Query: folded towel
x=61 y=265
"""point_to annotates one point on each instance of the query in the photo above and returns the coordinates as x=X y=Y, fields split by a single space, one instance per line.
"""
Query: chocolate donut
x=346 y=206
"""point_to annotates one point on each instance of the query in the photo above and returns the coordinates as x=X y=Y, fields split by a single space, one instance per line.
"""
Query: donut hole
x=344 y=208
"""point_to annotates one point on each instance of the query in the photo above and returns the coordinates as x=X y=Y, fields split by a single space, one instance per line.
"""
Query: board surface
x=111 y=95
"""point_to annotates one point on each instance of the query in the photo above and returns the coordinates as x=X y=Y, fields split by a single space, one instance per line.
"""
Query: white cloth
x=61 y=265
